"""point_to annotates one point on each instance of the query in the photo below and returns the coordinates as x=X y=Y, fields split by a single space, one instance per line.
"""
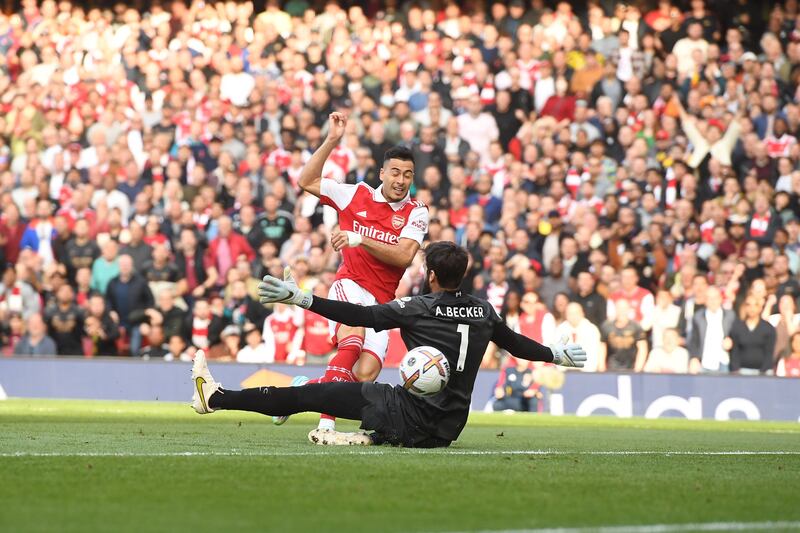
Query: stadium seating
x=626 y=177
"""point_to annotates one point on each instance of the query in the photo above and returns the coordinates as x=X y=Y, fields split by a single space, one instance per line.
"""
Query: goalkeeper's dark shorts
x=388 y=413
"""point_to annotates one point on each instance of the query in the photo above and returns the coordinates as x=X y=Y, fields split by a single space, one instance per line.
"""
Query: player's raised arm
x=311 y=175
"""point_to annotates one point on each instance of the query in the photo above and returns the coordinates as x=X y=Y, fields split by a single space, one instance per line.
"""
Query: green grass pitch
x=116 y=466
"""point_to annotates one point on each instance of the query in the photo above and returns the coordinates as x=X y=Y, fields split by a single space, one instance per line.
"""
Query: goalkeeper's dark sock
x=275 y=401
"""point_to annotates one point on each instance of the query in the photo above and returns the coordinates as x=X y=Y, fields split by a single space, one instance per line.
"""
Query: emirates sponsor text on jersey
x=374 y=233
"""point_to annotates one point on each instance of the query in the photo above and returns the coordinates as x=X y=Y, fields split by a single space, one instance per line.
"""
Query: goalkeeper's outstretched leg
x=343 y=400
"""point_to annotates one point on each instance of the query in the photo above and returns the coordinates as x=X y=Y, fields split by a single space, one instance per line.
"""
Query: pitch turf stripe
x=383 y=451
x=661 y=528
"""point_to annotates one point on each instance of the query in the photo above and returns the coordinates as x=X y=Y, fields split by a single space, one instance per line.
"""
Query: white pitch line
x=661 y=528
x=408 y=452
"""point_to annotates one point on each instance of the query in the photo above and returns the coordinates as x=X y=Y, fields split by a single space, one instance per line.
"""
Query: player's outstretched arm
x=562 y=353
x=273 y=290
x=311 y=175
x=379 y=317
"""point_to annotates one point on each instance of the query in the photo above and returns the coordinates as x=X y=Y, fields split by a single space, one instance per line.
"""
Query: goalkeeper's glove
x=272 y=290
x=568 y=354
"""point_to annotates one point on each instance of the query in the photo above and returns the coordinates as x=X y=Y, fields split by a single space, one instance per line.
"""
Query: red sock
x=340 y=368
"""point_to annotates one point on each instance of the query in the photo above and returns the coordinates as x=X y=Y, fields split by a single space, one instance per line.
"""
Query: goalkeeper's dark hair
x=449 y=262
x=398 y=152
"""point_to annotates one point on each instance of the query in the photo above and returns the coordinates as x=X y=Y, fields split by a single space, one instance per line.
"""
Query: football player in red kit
x=380 y=232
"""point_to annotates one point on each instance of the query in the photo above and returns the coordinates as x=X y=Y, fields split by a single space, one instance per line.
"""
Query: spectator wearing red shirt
x=11 y=231
x=560 y=106
x=198 y=273
x=535 y=321
x=789 y=366
x=281 y=332
x=640 y=300
x=314 y=336
x=227 y=247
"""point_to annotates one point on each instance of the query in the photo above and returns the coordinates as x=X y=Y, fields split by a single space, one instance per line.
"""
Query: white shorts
x=344 y=290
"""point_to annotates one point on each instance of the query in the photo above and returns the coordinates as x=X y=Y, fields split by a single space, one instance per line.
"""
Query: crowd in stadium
x=627 y=175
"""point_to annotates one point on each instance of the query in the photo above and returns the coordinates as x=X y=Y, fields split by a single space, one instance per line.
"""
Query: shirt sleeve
x=549 y=335
x=647 y=309
x=269 y=342
x=336 y=195
x=417 y=226
x=611 y=309
x=520 y=346
x=395 y=314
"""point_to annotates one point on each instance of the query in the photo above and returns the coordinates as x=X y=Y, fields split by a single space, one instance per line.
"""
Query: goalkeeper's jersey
x=459 y=325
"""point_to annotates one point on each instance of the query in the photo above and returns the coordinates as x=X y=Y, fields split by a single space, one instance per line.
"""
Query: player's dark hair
x=448 y=261
x=398 y=152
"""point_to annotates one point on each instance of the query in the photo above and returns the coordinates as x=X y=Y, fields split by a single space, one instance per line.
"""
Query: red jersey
x=459 y=217
x=759 y=225
x=641 y=302
x=343 y=157
x=707 y=231
x=792 y=367
x=283 y=329
x=280 y=159
x=316 y=335
x=364 y=210
x=576 y=178
x=779 y=147
x=531 y=325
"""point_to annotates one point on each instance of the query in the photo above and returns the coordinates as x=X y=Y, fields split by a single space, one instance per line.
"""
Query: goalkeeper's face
x=426 y=285
x=397 y=176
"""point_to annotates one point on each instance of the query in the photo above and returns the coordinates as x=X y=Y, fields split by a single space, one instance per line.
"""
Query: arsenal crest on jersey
x=398 y=221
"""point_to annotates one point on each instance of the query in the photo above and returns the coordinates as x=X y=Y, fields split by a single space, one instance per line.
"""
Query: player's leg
x=376 y=344
x=345 y=400
x=368 y=367
x=349 y=341
x=349 y=344
x=341 y=399
x=297 y=381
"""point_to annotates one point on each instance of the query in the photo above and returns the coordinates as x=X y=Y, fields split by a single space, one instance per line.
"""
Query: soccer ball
x=424 y=371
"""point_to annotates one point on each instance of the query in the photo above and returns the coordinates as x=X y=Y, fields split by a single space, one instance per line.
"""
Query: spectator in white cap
x=227 y=349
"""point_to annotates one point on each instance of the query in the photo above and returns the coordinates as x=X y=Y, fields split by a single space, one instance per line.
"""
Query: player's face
x=397 y=176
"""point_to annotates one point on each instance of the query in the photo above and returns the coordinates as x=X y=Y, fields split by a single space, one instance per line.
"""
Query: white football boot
x=329 y=437
x=204 y=384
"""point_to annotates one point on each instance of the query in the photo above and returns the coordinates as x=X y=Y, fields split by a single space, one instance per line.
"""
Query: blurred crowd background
x=625 y=174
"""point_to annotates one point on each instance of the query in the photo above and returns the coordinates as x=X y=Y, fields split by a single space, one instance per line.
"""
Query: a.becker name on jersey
x=458 y=312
